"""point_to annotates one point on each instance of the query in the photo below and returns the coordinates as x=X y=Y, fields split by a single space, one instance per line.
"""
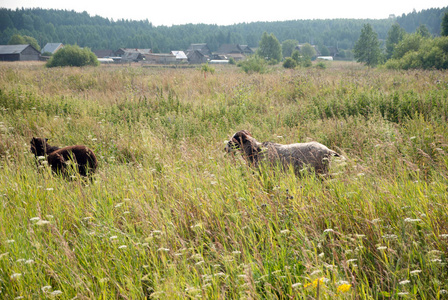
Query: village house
x=18 y=53
x=237 y=52
x=52 y=48
x=160 y=58
x=202 y=48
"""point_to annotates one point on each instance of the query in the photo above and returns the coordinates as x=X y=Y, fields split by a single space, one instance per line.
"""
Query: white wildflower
x=34 y=219
x=443 y=236
x=402 y=293
x=200 y=263
x=122 y=247
x=29 y=261
x=404 y=282
x=415 y=272
x=114 y=237
x=42 y=222
x=46 y=288
x=236 y=252
x=163 y=249
x=409 y=220
x=284 y=231
x=382 y=248
x=328 y=230
x=15 y=275
x=56 y=292
x=10 y=241
x=49 y=189
x=352 y=260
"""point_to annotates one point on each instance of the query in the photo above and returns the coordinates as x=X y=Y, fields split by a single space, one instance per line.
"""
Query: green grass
x=170 y=216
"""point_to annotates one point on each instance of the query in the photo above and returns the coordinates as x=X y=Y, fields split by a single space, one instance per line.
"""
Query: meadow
x=169 y=215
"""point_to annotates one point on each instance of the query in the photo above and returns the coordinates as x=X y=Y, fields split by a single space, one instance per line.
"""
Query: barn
x=18 y=53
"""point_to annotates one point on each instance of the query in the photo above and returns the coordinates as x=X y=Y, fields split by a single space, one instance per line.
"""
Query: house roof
x=104 y=53
x=13 y=49
x=51 y=47
x=229 y=48
x=179 y=54
x=203 y=48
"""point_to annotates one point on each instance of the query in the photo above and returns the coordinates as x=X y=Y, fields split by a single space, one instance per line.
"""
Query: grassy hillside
x=170 y=216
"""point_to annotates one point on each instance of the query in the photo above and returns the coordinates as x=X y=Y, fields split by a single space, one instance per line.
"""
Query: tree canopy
x=73 y=56
x=270 y=48
x=367 y=48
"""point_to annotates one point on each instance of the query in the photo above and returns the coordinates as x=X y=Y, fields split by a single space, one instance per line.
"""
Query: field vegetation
x=170 y=216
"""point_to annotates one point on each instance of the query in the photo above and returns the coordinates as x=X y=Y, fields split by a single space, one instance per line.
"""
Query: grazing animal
x=59 y=158
x=297 y=155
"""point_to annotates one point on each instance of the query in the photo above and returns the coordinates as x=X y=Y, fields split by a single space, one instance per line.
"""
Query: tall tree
x=367 y=47
x=288 y=46
x=270 y=48
x=423 y=31
x=394 y=36
x=444 y=25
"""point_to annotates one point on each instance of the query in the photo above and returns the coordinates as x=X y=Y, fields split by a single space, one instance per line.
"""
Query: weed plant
x=170 y=216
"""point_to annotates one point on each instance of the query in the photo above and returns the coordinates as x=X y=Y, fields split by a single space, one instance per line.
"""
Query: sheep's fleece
x=299 y=155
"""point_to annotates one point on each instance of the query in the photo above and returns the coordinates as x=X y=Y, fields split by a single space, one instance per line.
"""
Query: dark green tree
x=394 y=36
x=423 y=31
x=18 y=39
x=73 y=56
x=270 y=48
x=367 y=47
x=444 y=25
x=308 y=51
x=288 y=47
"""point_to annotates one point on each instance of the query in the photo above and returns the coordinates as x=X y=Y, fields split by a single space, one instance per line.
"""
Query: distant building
x=235 y=51
x=52 y=48
x=180 y=56
x=196 y=57
x=18 y=53
x=202 y=48
x=104 y=53
x=122 y=51
x=160 y=58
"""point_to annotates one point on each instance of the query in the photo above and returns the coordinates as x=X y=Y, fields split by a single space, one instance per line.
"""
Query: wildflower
x=404 y=282
x=10 y=241
x=284 y=231
x=443 y=236
x=402 y=293
x=122 y=247
x=328 y=230
x=16 y=275
x=409 y=220
x=46 y=288
x=415 y=272
x=343 y=288
x=315 y=283
x=163 y=249
x=29 y=261
x=42 y=222
x=219 y=274
x=56 y=293
x=119 y=205
x=114 y=237
x=382 y=248
x=296 y=285
x=49 y=189
x=200 y=263
x=236 y=252
x=351 y=260
x=34 y=219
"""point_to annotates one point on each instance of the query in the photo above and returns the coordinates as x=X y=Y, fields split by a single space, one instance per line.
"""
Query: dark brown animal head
x=244 y=141
x=38 y=146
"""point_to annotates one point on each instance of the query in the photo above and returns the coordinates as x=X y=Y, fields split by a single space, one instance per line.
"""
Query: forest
x=95 y=32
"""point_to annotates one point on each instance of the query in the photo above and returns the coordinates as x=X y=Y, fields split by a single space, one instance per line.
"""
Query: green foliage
x=367 y=47
x=232 y=61
x=270 y=48
x=288 y=47
x=444 y=25
x=290 y=63
x=394 y=36
x=169 y=216
x=321 y=65
x=324 y=50
x=416 y=52
x=73 y=56
x=206 y=68
x=253 y=64
x=423 y=31
x=18 y=39
x=308 y=51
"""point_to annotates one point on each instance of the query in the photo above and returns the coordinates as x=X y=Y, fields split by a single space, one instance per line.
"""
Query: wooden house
x=18 y=53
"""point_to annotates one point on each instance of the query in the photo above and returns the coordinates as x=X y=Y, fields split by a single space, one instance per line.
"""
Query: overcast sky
x=175 y=12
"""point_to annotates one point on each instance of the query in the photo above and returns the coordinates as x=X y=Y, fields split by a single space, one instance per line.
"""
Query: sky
x=179 y=12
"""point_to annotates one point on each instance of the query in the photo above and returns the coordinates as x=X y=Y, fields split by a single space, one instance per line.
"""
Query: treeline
x=95 y=32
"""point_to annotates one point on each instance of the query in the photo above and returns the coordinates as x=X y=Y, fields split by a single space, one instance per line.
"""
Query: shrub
x=289 y=63
x=254 y=64
x=73 y=56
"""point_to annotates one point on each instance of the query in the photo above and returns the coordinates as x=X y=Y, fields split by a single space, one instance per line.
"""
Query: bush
x=289 y=63
x=254 y=64
x=73 y=56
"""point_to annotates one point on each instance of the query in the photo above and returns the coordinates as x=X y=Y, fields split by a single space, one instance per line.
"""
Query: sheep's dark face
x=38 y=146
x=237 y=141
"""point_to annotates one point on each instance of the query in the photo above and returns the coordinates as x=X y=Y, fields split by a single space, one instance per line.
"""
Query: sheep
x=298 y=155
x=59 y=158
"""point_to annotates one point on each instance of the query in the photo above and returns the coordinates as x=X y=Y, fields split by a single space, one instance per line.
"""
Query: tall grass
x=170 y=216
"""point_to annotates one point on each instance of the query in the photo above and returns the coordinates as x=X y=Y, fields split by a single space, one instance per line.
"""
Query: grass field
x=170 y=216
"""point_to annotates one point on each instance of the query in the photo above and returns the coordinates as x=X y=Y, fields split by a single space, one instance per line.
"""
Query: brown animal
x=297 y=155
x=59 y=158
